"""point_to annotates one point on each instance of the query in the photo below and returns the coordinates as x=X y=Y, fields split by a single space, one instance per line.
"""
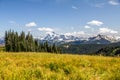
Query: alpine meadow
x=46 y=66
x=59 y=39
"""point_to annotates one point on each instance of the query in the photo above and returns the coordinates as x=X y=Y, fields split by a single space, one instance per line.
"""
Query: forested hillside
x=92 y=49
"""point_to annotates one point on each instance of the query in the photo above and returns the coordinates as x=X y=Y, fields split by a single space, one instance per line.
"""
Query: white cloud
x=46 y=29
x=31 y=24
x=114 y=2
x=76 y=33
x=87 y=27
x=74 y=7
x=107 y=30
x=95 y=23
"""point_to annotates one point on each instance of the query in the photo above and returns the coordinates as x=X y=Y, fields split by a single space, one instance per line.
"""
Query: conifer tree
x=22 y=41
x=26 y=43
x=36 y=42
x=6 y=40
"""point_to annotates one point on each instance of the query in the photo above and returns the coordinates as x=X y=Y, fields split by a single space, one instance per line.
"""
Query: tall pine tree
x=26 y=43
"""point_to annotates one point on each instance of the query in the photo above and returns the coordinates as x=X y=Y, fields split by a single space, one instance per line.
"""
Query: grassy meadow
x=45 y=66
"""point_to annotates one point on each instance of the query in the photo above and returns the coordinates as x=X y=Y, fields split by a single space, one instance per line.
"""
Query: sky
x=70 y=17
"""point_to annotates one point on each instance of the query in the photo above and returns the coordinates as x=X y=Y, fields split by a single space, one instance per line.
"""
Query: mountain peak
x=100 y=38
x=103 y=37
x=51 y=33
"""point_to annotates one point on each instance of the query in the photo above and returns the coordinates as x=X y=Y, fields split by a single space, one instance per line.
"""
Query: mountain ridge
x=73 y=39
x=98 y=39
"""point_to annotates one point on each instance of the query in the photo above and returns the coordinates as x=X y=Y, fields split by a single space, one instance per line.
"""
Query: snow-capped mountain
x=53 y=37
x=61 y=37
x=98 y=39
x=102 y=39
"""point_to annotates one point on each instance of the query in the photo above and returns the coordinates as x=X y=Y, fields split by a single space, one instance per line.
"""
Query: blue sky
x=76 y=17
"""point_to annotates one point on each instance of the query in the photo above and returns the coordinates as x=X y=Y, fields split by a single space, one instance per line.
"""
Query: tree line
x=112 y=49
x=109 y=51
x=15 y=42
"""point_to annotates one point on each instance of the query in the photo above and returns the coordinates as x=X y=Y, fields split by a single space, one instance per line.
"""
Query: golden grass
x=46 y=66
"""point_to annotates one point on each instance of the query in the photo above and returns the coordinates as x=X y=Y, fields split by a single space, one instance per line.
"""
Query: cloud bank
x=31 y=24
x=46 y=29
x=107 y=30
x=114 y=2
x=95 y=23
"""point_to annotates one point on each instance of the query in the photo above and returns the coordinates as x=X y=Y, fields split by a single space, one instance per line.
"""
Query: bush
x=116 y=52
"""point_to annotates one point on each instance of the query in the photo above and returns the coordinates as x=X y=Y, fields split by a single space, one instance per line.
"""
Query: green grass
x=45 y=66
x=2 y=49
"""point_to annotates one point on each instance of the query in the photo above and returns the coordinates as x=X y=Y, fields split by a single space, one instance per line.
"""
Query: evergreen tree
x=36 y=42
x=54 y=48
x=6 y=40
x=26 y=43
x=17 y=47
x=10 y=41
x=22 y=42
x=30 y=43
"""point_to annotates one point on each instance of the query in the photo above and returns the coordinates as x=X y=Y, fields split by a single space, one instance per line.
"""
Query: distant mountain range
x=79 y=45
x=73 y=39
